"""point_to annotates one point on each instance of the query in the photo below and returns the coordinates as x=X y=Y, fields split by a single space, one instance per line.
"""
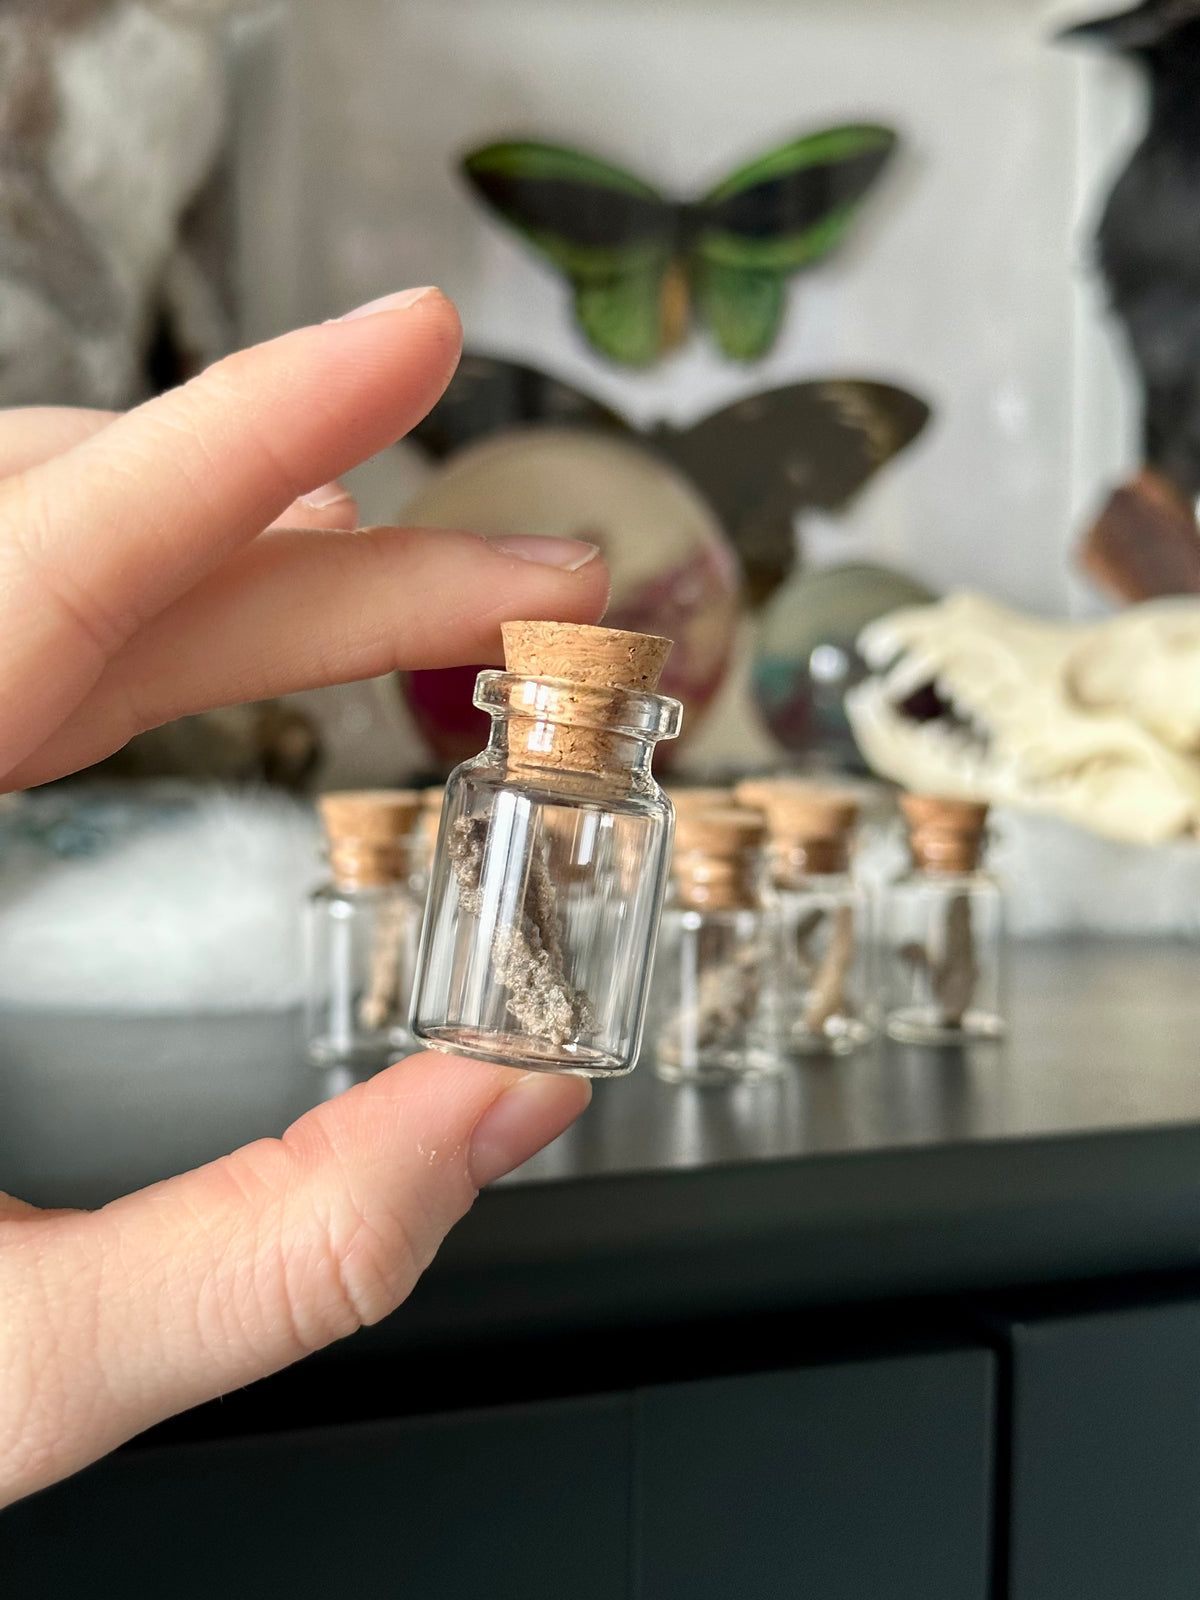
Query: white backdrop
x=968 y=278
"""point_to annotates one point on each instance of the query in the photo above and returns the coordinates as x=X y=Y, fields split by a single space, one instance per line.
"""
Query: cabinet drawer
x=827 y=1483
x=528 y=1504
x=1106 y=1456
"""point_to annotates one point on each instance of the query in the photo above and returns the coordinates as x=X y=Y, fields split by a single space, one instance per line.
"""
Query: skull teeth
x=910 y=673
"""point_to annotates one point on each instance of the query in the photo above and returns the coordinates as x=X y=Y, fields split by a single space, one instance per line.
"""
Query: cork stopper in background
x=803 y=810
x=945 y=835
x=724 y=832
x=811 y=823
x=717 y=864
x=581 y=658
x=369 y=833
x=754 y=792
x=604 y=658
x=700 y=799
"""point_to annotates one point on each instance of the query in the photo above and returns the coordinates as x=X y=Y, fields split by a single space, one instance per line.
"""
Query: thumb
x=171 y=1296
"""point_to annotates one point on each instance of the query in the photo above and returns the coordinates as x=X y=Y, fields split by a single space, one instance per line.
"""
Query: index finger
x=134 y=515
x=98 y=540
x=30 y=435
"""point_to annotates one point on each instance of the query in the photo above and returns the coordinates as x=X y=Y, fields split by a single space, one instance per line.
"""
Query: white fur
x=1063 y=879
x=197 y=912
x=201 y=912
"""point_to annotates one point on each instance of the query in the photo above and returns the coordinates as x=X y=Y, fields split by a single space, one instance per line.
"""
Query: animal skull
x=1098 y=723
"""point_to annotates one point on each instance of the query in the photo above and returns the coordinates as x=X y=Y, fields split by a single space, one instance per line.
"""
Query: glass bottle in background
x=943 y=929
x=548 y=883
x=686 y=799
x=363 y=930
x=825 y=919
x=715 y=980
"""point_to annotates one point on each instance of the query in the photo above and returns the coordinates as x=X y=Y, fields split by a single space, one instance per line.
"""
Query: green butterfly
x=639 y=263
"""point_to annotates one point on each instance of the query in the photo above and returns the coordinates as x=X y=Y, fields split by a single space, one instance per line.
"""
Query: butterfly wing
x=763 y=459
x=488 y=395
x=611 y=235
x=772 y=218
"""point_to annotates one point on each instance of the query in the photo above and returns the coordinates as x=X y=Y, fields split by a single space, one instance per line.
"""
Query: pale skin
x=163 y=563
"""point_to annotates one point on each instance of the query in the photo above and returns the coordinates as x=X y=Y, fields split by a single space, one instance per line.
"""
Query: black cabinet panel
x=869 y=1481
x=1106 y=1456
x=528 y=1504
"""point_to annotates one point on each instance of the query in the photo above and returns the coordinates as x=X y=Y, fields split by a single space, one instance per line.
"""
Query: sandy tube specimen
x=381 y=1001
x=528 y=957
x=946 y=836
x=827 y=978
x=727 y=998
x=951 y=979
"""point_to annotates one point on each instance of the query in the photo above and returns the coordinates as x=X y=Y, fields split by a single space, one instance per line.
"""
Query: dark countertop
x=1070 y=1151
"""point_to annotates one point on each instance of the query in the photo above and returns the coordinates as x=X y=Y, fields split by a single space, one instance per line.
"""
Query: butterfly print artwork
x=758 y=462
x=644 y=267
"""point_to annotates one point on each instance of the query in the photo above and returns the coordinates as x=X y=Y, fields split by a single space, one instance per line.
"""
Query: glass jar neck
x=955 y=854
x=592 y=740
x=550 y=751
x=950 y=879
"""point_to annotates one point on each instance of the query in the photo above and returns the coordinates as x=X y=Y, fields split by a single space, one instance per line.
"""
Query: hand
x=137 y=585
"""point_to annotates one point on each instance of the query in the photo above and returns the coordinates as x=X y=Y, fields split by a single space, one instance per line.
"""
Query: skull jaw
x=1018 y=735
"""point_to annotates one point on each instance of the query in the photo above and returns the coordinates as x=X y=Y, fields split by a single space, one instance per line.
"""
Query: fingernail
x=568 y=554
x=388 y=302
x=538 y=1107
x=329 y=494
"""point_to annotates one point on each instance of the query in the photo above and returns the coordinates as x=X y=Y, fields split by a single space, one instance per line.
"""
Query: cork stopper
x=944 y=835
x=369 y=832
x=605 y=658
x=700 y=799
x=754 y=792
x=578 y=726
x=716 y=861
x=811 y=823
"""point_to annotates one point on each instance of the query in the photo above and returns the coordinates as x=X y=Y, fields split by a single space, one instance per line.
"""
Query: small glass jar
x=825 y=917
x=943 y=930
x=548 y=883
x=362 y=931
x=715 y=981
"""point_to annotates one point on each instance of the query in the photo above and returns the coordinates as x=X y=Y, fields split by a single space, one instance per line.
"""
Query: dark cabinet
x=1106 y=1455
x=528 y=1504
x=831 y=1482
x=824 y=1483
